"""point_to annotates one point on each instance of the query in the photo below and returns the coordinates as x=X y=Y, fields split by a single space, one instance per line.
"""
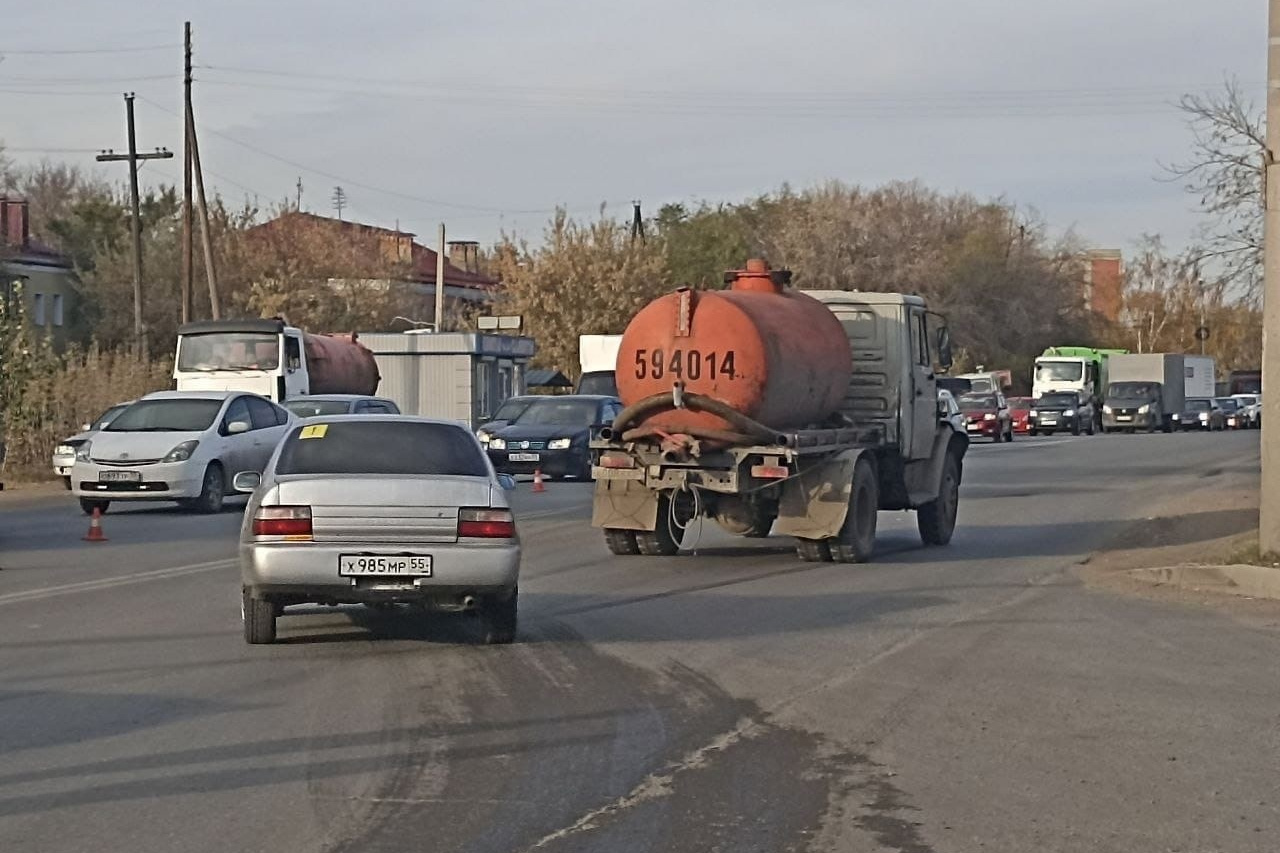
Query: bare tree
x=1225 y=172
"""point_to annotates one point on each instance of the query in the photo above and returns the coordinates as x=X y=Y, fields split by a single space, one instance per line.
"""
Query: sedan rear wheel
x=500 y=616
x=259 y=618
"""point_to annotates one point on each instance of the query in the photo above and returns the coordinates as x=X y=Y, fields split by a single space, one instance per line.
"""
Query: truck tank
x=778 y=357
x=339 y=364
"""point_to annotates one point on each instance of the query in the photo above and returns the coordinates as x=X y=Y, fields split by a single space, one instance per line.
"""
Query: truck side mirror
x=944 y=348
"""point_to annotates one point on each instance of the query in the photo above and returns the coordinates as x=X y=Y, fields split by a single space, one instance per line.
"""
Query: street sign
x=1202 y=333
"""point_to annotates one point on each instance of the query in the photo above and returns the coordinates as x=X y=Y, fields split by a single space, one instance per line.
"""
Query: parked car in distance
x=1251 y=404
x=551 y=435
x=1232 y=411
x=1020 y=410
x=182 y=446
x=64 y=455
x=1202 y=413
x=987 y=415
x=318 y=405
x=949 y=410
x=378 y=510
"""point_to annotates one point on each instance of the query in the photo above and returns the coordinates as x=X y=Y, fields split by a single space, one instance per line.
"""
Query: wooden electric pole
x=109 y=156
x=1269 y=510
x=188 y=230
x=440 y=282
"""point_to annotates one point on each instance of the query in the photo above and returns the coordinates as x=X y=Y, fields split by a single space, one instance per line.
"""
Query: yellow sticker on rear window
x=314 y=431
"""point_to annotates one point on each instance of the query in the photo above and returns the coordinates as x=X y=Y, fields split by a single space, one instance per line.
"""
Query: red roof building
x=462 y=279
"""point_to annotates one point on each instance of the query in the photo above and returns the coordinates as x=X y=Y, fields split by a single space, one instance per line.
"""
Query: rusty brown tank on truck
x=340 y=364
x=773 y=355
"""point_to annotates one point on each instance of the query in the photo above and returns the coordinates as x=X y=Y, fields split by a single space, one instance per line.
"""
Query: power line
x=750 y=95
x=80 y=81
x=38 y=150
x=94 y=50
x=350 y=181
x=886 y=106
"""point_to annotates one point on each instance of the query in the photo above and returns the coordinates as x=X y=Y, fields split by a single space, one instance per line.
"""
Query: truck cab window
x=920 y=341
x=292 y=353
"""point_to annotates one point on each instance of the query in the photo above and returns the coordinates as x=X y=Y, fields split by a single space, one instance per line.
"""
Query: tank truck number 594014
x=768 y=409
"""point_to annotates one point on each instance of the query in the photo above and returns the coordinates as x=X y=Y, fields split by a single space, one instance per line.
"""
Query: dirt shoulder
x=1201 y=526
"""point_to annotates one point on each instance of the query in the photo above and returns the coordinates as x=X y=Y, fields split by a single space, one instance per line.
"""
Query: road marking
x=109 y=583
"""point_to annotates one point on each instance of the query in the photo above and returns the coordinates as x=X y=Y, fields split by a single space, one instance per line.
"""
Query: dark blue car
x=550 y=434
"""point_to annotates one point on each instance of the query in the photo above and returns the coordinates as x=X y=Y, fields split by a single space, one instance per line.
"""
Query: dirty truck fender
x=923 y=481
x=815 y=502
x=624 y=505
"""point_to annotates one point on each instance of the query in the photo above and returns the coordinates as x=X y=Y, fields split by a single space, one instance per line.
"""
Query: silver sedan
x=379 y=510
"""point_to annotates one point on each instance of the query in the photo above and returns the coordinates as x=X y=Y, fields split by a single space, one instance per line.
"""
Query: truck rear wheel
x=621 y=542
x=937 y=519
x=665 y=541
x=857 y=539
x=813 y=550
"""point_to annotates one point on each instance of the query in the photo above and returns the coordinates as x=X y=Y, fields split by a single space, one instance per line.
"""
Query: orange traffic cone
x=95 y=533
x=537 y=481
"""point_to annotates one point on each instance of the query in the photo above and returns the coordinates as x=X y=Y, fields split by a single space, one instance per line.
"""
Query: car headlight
x=988 y=417
x=1069 y=413
x=1204 y=416
x=182 y=452
x=1106 y=410
x=559 y=443
x=1033 y=414
x=484 y=437
x=1144 y=408
x=497 y=444
x=82 y=452
x=64 y=450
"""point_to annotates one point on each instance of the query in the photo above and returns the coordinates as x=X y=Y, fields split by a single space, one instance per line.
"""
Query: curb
x=1243 y=580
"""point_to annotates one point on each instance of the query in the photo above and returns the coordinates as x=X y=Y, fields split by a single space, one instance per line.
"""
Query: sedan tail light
x=291 y=522
x=486 y=524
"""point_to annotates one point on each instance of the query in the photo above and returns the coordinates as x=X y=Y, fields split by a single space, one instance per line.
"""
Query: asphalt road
x=972 y=698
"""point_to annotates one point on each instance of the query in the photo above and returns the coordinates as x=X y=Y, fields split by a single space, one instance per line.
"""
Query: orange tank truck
x=774 y=356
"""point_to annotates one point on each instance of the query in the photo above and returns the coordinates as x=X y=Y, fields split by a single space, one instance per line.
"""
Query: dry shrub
x=59 y=394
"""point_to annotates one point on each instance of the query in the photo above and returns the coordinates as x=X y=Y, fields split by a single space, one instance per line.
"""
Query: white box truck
x=1148 y=391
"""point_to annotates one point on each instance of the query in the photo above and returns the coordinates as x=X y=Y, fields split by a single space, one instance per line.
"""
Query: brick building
x=1104 y=283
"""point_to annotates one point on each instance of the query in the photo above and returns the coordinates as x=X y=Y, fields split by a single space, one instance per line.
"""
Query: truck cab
x=264 y=357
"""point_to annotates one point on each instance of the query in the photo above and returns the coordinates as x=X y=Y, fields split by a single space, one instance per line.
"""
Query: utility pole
x=439 y=281
x=339 y=200
x=1269 y=511
x=298 y=205
x=206 y=239
x=109 y=156
x=637 y=223
x=188 y=231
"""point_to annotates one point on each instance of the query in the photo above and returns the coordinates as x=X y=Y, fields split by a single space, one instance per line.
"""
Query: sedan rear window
x=382 y=447
x=314 y=408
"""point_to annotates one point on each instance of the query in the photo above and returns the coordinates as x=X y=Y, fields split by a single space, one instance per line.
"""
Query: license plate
x=119 y=476
x=975 y=427
x=384 y=565
x=524 y=457
x=1124 y=417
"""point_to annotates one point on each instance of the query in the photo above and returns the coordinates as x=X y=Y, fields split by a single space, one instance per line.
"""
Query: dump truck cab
x=264 y=357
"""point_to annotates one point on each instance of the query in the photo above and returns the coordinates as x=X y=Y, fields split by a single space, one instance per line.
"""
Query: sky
x=487 y=114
